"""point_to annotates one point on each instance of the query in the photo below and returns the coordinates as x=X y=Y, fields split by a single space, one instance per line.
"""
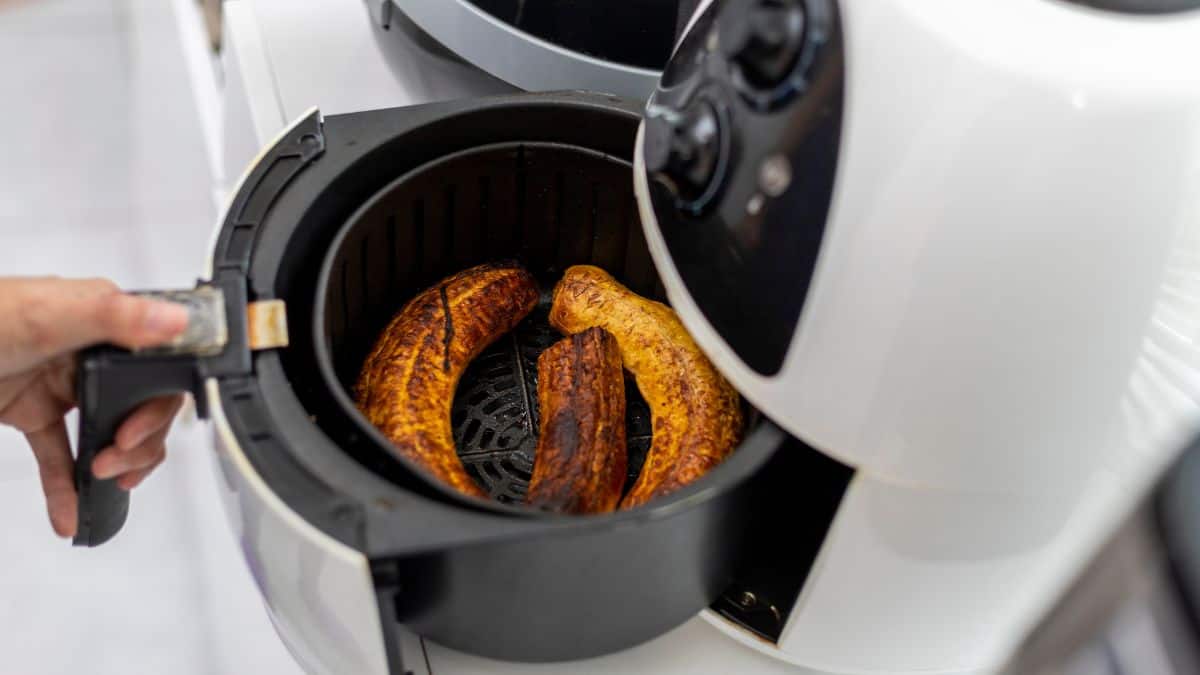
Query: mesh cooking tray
x=495 y=413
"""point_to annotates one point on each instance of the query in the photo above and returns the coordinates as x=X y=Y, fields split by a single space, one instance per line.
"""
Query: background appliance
x=547 y=45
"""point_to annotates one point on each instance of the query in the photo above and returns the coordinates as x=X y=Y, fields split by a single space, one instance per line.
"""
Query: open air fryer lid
x=907 y=240
x=550 y=45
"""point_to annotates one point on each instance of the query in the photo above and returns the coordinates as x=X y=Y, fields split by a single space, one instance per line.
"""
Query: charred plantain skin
x=407 y=382
x=580 y=462
x=697 y=420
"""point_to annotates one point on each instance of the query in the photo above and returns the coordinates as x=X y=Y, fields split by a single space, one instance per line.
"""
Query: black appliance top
x=741 y=147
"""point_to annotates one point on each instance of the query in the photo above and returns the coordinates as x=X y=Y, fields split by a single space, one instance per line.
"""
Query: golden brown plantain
x=408 y=380
x=579 y=466
x=697 y=419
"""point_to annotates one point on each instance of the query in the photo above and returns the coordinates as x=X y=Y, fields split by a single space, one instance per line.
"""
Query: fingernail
x=165 y=318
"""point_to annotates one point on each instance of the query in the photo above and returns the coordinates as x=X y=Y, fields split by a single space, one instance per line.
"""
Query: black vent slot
x=765 y=590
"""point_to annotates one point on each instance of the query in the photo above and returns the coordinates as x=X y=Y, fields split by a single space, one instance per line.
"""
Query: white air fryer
x=947 y=250
x=953 y=245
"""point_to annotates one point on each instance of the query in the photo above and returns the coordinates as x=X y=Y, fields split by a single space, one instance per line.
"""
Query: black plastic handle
x=110 y=383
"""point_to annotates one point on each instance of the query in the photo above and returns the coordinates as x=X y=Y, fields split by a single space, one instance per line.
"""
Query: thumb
x=56 y=316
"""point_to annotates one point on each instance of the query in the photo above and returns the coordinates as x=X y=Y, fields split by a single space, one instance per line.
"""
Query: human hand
x=43 y=322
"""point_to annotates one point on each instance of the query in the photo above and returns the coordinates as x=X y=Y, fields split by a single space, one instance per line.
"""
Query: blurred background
x=103 y=172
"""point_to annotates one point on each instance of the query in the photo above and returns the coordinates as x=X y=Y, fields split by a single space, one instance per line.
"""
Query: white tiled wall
x=103 y=172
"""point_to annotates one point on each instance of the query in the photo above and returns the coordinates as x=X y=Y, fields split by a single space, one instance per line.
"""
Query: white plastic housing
x=1001 y=333
x=1018 y=191
x=318 y=592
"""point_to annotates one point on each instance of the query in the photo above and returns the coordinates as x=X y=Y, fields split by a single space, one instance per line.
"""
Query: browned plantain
x=408 y=380
x=697 y=419
x=580 y=462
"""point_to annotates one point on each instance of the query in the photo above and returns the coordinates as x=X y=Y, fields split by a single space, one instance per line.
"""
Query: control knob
x=763 y=38
x=683 y=147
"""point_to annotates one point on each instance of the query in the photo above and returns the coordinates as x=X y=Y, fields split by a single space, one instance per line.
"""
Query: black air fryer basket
x=549 y=195
x=348 y=217
x=547 y=205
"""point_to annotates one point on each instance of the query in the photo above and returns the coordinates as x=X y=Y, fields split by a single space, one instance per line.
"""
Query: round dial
x=684 y=147
x=740 y=146
x=763 y=38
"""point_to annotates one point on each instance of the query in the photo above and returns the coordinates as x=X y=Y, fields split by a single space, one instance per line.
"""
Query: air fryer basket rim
x=712 y=484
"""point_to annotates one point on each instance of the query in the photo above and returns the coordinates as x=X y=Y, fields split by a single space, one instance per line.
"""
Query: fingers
x=56 y=316
x=30 y=403
x=59 y=377
x=146 y=420
x=114 y=461
x=56 y=468
x=140 y=444
x=134 y=478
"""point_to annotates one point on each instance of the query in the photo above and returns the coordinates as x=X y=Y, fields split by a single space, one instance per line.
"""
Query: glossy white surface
x=941 y=581
x=1006 y=210
x=318 y=591
x=1001 y=334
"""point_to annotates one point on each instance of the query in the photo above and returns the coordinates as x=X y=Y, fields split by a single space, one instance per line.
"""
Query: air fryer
x=923 y=248
x=347 y=217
